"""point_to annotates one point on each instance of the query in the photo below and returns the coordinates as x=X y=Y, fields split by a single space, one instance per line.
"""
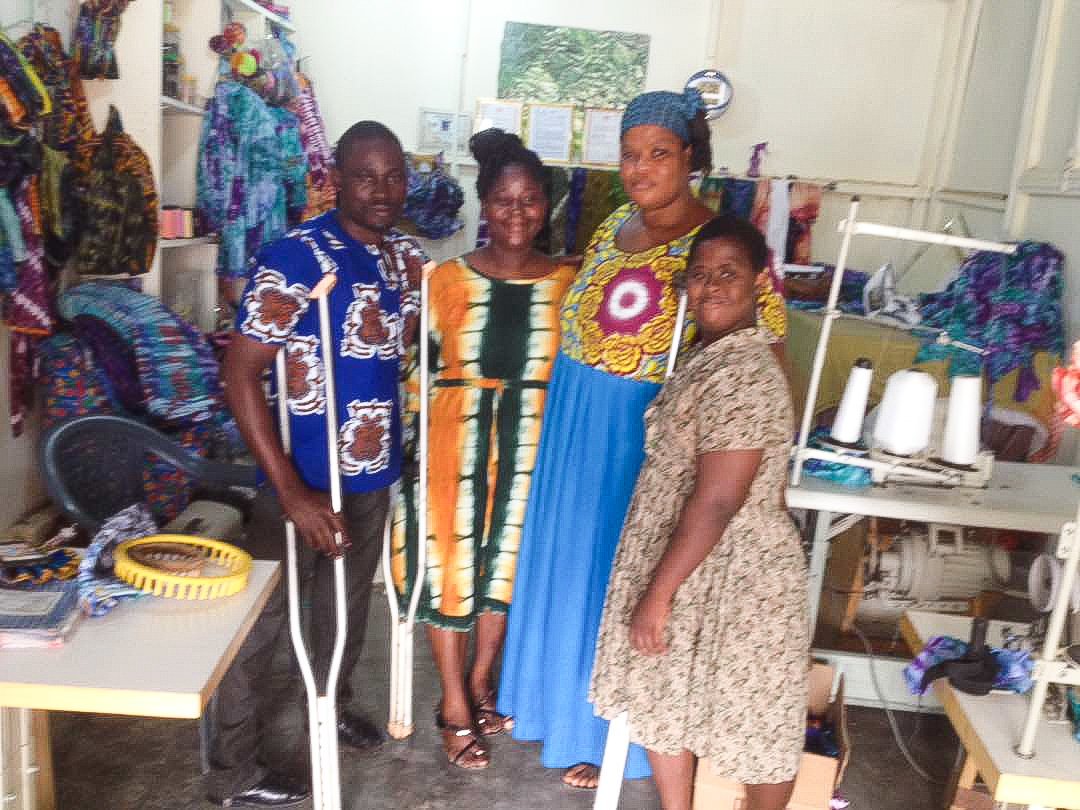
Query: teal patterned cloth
x=252 y=178
x=1008 y=305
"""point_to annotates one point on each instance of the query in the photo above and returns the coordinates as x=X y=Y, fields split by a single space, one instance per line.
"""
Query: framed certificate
x=551 y=131
x=435 y=132
x=497 y=112
x=600 y=145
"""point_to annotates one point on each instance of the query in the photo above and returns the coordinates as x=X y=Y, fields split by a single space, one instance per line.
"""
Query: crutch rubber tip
x=399 y=731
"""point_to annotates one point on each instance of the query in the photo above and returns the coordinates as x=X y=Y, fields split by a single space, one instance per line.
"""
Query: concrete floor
x=115 y=763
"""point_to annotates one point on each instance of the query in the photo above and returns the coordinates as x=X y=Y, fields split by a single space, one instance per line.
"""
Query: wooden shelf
x=180 y=243
x=173 y=106
x=251 y=7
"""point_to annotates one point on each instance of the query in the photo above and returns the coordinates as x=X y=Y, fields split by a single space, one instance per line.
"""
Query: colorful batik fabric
x=493 y=345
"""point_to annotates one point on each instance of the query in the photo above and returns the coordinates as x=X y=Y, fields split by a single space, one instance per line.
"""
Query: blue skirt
x=591 y=448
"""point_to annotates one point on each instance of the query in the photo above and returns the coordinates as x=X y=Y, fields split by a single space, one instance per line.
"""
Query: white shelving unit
x=249 y=7
x=188 y=280
x=174 y=106
x=181 y=243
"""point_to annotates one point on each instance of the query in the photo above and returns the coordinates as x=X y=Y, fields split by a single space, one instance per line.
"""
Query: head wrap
x=662 y=108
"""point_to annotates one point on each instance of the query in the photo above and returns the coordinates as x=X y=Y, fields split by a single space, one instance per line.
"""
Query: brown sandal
x=473 y=756
x=488 y=721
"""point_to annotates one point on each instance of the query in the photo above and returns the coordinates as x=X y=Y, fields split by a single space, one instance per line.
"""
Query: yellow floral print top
x=619 y=313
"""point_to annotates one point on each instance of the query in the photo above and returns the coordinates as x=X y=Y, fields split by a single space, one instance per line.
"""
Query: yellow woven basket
x=156 y=564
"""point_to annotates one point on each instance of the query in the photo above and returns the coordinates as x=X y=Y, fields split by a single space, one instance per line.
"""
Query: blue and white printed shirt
x=374 y=309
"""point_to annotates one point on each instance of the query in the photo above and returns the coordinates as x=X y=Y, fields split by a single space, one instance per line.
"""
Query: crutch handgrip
x=323 y=288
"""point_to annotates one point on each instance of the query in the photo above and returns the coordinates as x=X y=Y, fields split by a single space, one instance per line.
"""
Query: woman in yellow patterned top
x=617 y=322
x=494 y=335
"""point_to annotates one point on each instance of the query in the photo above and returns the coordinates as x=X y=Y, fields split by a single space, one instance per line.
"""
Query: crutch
x=400 y=723
x=322 y=708
x=617 y=746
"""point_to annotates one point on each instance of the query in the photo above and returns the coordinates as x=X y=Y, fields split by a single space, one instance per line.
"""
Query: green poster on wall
x=555 y=64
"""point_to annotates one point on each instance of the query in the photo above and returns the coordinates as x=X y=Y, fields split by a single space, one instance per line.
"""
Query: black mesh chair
x=93 y=467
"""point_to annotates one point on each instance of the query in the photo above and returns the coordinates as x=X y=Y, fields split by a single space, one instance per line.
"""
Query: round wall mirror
x=715 y=89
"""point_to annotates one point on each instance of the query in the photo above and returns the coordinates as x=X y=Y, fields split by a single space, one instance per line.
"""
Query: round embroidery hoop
x=183 y=567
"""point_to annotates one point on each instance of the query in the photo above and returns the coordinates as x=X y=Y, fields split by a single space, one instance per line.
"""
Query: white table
x=153 y=657
x=989 y=728
x=1020 y=497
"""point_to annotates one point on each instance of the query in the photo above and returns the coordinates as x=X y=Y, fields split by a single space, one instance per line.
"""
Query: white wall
x=842 y=89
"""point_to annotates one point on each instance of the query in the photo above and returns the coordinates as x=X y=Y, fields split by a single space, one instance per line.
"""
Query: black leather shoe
x=356 y=731
x=273 y=790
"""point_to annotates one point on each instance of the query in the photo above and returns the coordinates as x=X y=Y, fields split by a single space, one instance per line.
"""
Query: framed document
x=600 y=146
x=497 y=112
x=551 y=131
x=435 y=132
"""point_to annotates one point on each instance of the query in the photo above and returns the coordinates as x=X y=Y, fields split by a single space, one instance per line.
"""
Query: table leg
x=46 y=787
x=819 y=555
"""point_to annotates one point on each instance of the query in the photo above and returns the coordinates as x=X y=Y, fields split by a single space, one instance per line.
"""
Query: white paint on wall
x=990 y=118
x=842 y=89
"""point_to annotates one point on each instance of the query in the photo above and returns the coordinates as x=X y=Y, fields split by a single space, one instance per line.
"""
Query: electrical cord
x=897 y=736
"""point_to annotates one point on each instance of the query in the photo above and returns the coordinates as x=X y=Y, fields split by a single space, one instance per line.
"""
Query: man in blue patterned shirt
x=374 y=310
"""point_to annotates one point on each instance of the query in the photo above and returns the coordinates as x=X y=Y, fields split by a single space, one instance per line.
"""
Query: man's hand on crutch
x=316 y=521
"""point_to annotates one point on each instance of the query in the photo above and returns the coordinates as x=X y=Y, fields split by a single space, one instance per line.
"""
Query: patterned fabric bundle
x=1010 y=305
x=176 y=367
x=252 y=178
x=94 y=40
x=100 y=590
x=321 y=192
x=432 y=203
x=73 y=385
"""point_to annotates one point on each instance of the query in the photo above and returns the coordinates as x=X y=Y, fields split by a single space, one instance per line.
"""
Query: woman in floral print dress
x=708 y=591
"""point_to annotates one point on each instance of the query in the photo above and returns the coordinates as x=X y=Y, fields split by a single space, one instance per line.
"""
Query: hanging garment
x=776 y=231
x=252 y=175
x=596 y=205
x=759 y=213
x=68 y=127
x=738 y=196
x=28 y=311
x=1009 y=305
x=118 y=234
x=574 y=203
x=321 y=193
x=804 y=200
x=94 y=40
x=23 y=97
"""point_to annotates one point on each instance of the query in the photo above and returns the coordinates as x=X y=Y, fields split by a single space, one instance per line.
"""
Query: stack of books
x=39 y=615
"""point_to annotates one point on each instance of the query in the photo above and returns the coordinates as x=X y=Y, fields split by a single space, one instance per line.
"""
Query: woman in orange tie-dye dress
x=494 y=335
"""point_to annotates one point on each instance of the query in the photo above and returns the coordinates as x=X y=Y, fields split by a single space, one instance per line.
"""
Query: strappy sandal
x=473 y=756
x=488 y=720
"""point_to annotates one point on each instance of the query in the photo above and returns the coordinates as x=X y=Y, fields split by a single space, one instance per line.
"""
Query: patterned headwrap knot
x=662 y=108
